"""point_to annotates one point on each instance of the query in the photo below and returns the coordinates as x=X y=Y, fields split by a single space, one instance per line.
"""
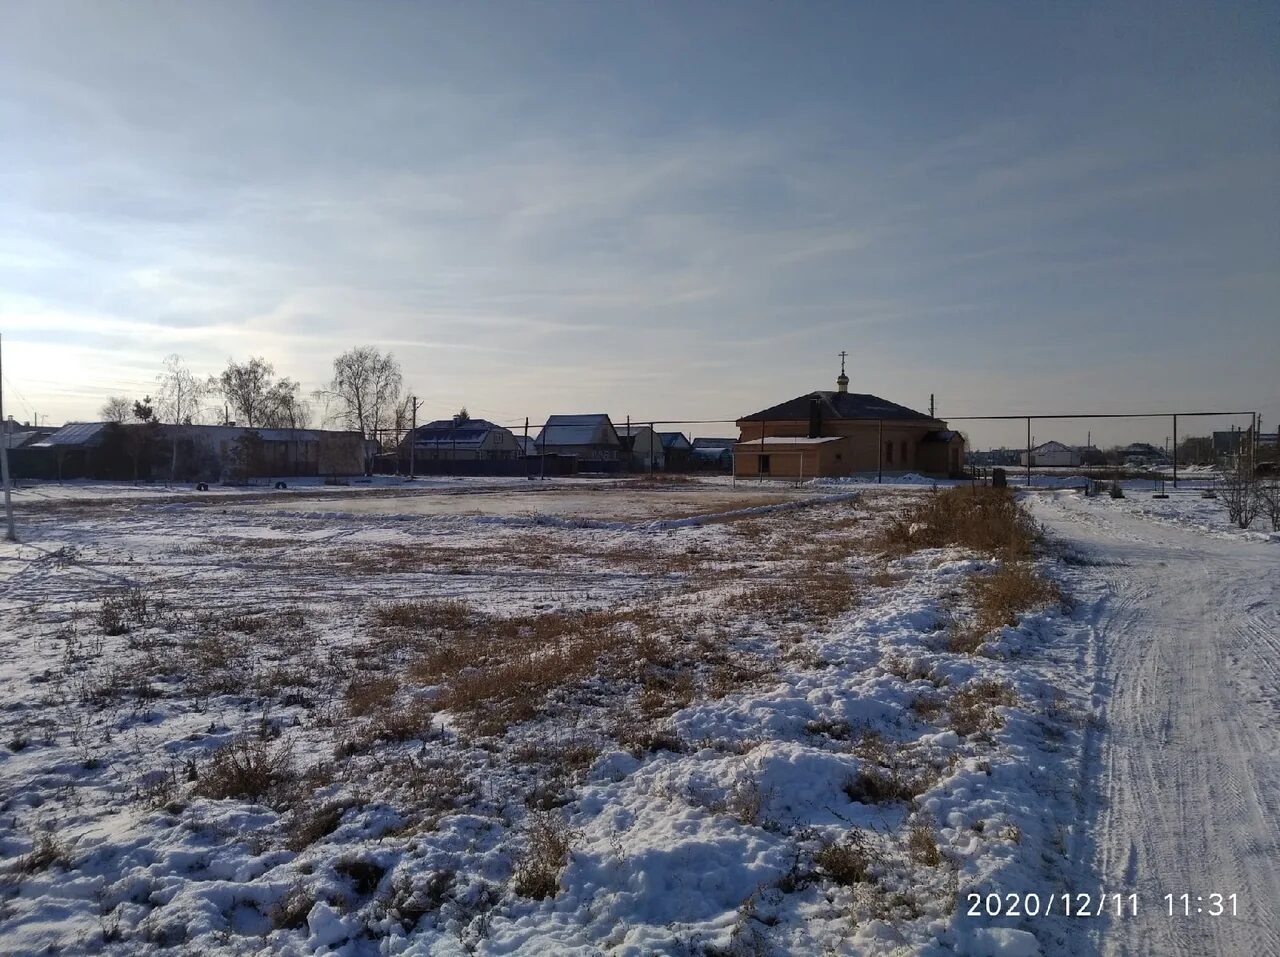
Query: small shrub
x=836 y=729
x=411 y=722
x=875 y=785
x=1268 y=496
x=847 y=862
x=48 y=851
x=640 y=737
x=972 y=707
x=310 y=824
x=409 y=899
x=928 y=706
x=121 y=612
x=922 y=844
x=365 y=875
x=291 y=911
x=245 y=768
x=748 y=804
x=365 y=694
x=549 y=843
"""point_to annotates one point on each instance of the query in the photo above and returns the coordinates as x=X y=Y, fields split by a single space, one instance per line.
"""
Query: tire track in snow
x=1186 y=781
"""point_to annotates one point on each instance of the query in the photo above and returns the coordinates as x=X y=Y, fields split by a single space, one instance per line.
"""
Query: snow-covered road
x=1183 y=783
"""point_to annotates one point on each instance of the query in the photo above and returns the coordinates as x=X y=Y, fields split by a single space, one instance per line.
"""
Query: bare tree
x=245 y=388
x=116 y=409
x=365 y=390
x=1269 y=501
x=179 y=392
x=1239 y=492
x=285 y=407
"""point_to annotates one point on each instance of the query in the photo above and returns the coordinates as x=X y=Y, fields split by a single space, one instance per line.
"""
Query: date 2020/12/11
x=1101 y=904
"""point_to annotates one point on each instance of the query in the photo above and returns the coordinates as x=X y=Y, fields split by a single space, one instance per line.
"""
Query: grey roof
x=77 y=433
x=16 y=440
x=1052 y=446
x=451 y=433
x=713 y=443
x=634 y=428
x=837 y=405
x=674 y=440
x=577 y=430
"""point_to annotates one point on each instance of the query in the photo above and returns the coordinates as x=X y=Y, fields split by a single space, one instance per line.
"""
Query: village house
x=1053 y=454
x=642 y=448
x=676 y=450
x=841 y=433
x=465 y=440
x=591 y=439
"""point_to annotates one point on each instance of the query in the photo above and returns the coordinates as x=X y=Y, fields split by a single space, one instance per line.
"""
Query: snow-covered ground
x=694 y=719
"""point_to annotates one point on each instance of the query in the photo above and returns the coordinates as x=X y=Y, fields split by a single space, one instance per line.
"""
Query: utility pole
x=11 y=533
x=413 y=435
x=1028 y=451
x=931 y=415
x=879 y=451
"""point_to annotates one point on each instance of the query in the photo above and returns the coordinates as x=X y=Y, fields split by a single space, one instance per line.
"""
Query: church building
x=841 y=433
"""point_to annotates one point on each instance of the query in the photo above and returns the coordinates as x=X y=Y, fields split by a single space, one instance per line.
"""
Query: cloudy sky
x=667 y=210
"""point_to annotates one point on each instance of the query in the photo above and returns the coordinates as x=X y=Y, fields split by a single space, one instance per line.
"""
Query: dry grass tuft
x=503 y=673
x=847 y=862
x=985 y=519
x=549 y=843
x=245 y=768
x=444 y=616
x=291 y=911
x=47 y=852
x=815 y=592
x=973 y=706
x=409 y=722
x=367 y=694
x=999 y=598
x=876 y=785
x=922 y=843
x=310 y=824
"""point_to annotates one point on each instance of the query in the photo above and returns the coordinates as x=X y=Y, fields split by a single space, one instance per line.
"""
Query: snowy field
x=589 y=718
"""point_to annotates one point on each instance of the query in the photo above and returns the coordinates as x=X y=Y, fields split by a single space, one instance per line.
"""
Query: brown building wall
x=867 y=447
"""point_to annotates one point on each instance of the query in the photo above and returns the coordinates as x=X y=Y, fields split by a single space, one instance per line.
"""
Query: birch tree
x=364 y=393
x=179 y=394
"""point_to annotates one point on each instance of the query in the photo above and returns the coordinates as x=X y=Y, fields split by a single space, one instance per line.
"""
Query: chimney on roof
x=842 y=381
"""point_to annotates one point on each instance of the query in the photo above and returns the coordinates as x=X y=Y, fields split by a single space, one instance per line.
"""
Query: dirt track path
x=1185 y=776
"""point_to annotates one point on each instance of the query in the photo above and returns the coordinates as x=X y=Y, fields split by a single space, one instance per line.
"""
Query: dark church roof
x=838 y=405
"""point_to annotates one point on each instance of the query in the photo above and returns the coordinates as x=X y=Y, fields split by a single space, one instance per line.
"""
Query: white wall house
x=1053 y=454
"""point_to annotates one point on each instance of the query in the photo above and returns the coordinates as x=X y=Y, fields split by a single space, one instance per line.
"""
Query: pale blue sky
x=675 y=210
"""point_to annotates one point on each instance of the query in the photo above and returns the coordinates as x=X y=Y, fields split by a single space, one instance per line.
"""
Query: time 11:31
x=1213 y=905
